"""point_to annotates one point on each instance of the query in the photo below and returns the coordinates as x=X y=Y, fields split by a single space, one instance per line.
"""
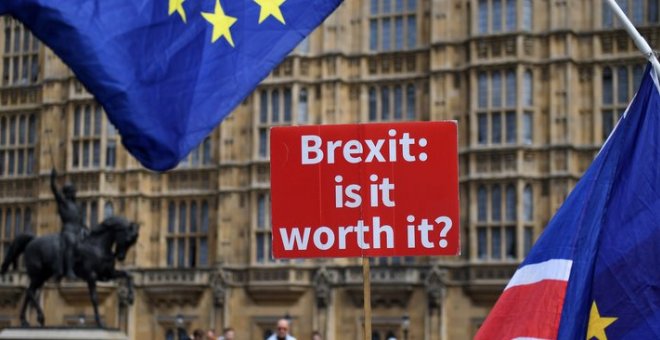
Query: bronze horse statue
x=95 y=256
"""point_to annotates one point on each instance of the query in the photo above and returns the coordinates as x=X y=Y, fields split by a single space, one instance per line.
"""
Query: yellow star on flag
x=177 y=6
x=270 y=7
x=221 y=23
x=597 y=324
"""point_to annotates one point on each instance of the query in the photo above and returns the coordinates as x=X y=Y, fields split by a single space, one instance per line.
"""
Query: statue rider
x=72 y=224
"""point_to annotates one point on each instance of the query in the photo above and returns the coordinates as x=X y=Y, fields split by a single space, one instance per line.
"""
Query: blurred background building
x=536 y=86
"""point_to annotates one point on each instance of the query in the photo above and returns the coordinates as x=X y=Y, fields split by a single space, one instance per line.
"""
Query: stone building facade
x=535 y=86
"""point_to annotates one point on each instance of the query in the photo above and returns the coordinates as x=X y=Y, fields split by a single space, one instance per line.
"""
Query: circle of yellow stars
x=222 y=22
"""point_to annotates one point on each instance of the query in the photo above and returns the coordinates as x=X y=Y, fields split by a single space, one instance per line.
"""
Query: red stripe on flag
x=532 y=311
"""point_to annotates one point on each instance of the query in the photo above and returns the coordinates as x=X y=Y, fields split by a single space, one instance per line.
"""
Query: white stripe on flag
x=519 y=338
x=537 y=272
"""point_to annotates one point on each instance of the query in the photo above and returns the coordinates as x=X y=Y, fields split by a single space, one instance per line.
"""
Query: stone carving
x=435 y=286
x=322 y=281
x=218 y=286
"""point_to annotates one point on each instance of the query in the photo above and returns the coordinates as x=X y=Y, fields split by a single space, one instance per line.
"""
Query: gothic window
x=90 y=138
x=640 y=12
x=275 y=108
x=528 y=88
x=496 y=107
x=527 y=14
x=528 y=203
x=496 y=203
x=392 y=28
x=14 y=220
x=528 y=128
x=496 y=16
x=496 y=239
x=618 y=87
x=187 y=240
x=386 y=103
x=17 y=143
x=20 y=61
x=511 y=203
x=303 y=107
x=481 y=204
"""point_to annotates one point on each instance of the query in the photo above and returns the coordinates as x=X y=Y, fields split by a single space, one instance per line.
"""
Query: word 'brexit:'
x=353 y=151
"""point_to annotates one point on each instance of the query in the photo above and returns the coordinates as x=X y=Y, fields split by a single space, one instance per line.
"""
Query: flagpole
x=639 y=40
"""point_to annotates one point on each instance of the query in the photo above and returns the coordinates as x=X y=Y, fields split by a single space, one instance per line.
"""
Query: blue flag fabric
x=595 y=271
x=168 y=71
x=615 y=282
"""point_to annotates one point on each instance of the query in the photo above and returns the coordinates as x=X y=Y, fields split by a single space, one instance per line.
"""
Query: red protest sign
x=365 y=190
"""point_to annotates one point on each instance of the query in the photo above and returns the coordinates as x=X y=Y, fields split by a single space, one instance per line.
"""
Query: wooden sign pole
x=366 y=273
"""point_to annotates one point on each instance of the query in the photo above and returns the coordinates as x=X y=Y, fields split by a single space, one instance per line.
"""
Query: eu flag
x=168 y=71
x=595 y=271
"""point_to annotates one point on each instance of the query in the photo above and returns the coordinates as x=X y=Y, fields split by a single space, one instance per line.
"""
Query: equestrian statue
x=75 y=252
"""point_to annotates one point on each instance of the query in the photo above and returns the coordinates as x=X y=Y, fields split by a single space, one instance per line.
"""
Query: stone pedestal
x=61 y=334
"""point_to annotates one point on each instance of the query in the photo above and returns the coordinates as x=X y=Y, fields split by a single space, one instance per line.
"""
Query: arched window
x=527 y=15
x=87 y=122
x=483 y=16
x=622 y=82
x=18 y=217
x=287 y=105
x=108 y=210
x=637 y=11
x=410 y=102
x=193 y=217
x=497 y=15
x=169 y=335
x=482 y=200
x=8 y=223
x=261 y=211
x=511 y=12
x=638 y=71
x=12 y=130
x=98 y=119
x=3 y=131
x=528 y=87
x=171 y=222
x=275 y=106
x=607 y=15
x=182 y=217
x=263 y=107
x=385 y=102
x=608 y=86
x=496 y=89
x=373 y=113
x=482 y=89
x=652 y=11
x=398 y=103
x=27 y=221
x=528 y=203
x=302 y=106
x=32 y=129
x=511 y=88
x=496 y=203
x=22 y=126
x=205 y=217
x=511 y=203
